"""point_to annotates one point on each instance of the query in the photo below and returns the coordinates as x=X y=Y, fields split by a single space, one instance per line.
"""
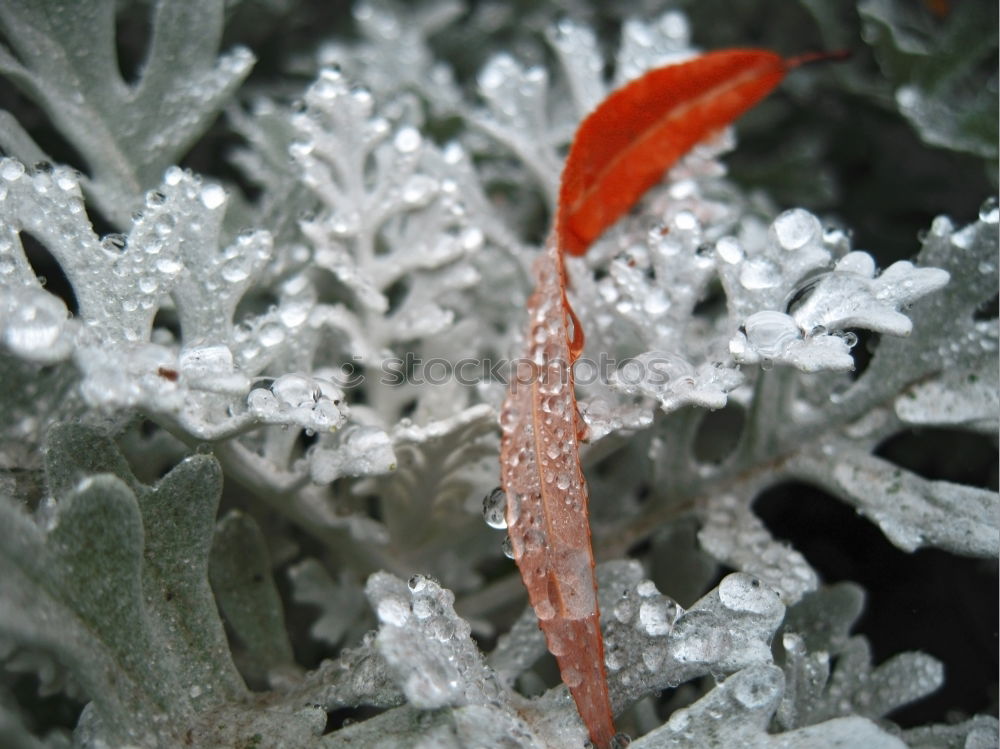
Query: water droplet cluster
x=428 y=646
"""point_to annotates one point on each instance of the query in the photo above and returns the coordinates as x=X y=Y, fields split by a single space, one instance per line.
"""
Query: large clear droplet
x=507 y=547
x=796 y=228
x=295 y=391
x=770 y=333
x=495 y=508
x=35 y=324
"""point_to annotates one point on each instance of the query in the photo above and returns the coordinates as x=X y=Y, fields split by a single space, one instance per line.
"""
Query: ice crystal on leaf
x=253 y=366
x=62 y=56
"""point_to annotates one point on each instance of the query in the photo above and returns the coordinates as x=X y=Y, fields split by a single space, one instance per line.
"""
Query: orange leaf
x=620 y=151
x=625 y=145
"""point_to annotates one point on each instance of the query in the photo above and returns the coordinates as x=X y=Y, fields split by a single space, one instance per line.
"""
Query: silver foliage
x=395 y=222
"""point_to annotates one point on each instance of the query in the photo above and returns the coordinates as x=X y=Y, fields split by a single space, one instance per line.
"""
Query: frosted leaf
x=912 y=511
x=645 y=46
x=93 y=604
x=394 y=58
x=117 y=283
x=769 y=271
x=34 y=325
x=126 y=132
x=829 y=674
x=391 y=212
x=931 y=77
x=846 y=298
x=211 y=368
x=902 y=679
x=444 y=464
x=734 y=535
x=428 y=647
x=358 y=451
x=581 y=62
x=959 y=396
x=818 y=309
x=979 y=732
x=675 y=382
x=125 y=376
x=726 y=630
x=240 y=574
x=341 y=602
x=737 y=713
x=516 y=116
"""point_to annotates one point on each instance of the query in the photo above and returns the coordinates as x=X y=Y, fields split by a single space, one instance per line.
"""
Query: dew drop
x=989 y=211
x=35 y=324
x=417 y=583
x=173 y=175
x=656 y=302
x=795 y=228
x=393 y=611
x=507 y=547
x=572 y=678
x=544 y=610
x=262 y=402
x=656 y=616
x=620 y=741
x=212 y=196
x=770 y=333
x=418 y=189
x=295 y=391
x=407 y=140
x=494 y=508
x=169 y=265
x=236 y=270
x=729 y=250
x=624 y=610
x=271 y=335
x=11 y=170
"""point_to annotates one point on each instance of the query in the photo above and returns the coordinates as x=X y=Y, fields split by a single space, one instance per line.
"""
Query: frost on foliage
x=432 y=499
x=240 y=573
x=393 y=57
x=427 y=646
x=341 y=601
x=63 y=56
x=140 y=633
x=980 y=731
x=373 y=241
x=651 y=643
x=732 y=532
x=172 y=251
x=111 y=579
x=793 y=292
x=523 y=116
x=948 y=341
x=392 y=217
x=829 y=674
x=747 y=700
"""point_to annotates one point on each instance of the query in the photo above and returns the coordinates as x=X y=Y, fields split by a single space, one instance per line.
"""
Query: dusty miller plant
x=238 y=510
